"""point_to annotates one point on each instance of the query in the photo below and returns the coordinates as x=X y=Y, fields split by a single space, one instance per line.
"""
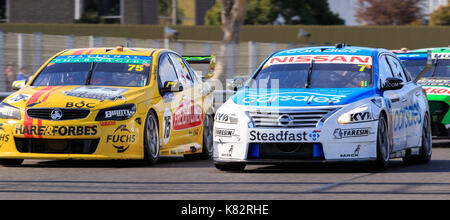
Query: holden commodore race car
x=436 y=83
x=324 y=104
x=109 y=104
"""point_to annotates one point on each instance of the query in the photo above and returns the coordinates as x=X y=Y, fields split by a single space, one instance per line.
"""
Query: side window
x=182 y=71
x=397 y=68
x=385 y=70
x=166 y=71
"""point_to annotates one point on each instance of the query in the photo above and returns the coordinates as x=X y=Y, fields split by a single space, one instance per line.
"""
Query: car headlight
x=9 y=112
x=118 y=113
x=360 y=114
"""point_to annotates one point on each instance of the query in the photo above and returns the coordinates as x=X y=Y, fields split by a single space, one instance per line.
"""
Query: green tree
x=441 y=16
x=289 y=12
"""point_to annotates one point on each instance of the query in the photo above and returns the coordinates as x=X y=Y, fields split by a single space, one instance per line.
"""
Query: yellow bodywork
x=183 y=136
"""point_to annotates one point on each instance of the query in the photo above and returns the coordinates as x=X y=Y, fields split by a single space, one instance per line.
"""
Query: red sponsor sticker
x=437 y=91
x=187 y=115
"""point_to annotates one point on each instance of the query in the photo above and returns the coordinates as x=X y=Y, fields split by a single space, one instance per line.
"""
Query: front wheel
x=151 y=140
x=383 y=149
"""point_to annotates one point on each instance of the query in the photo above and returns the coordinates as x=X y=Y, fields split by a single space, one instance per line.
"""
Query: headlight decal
x=9 y=112
x=119 y=113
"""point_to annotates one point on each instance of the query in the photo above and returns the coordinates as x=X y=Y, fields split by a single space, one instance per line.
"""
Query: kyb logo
x=121 y=139
x=362 y=116
x=293 y=97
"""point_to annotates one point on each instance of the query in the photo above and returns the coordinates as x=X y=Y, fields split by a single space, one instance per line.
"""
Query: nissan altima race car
x=109 y=104
x=436 y=82
x=324 y=104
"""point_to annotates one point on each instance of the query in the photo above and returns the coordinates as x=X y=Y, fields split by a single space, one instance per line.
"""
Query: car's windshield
x=321 y=75
x=120 y=71
x=442 y=68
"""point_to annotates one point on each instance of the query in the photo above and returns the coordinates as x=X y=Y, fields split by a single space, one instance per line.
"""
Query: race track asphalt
x=179 y=179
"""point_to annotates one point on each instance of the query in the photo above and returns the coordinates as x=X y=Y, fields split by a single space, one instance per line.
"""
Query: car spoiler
x=211 y=60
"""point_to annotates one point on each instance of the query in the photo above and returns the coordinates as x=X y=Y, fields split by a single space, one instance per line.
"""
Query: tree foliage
x=441 y=16
x=263 y=12
x=389 y=12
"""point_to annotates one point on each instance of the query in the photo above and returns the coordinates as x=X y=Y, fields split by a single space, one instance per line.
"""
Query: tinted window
x=166 y=71
x=182 y=71
x=416 y=66
x=385 y=69
x=397 y=68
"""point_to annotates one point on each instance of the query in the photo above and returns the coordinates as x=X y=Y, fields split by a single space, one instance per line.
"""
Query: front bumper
x=76 y=140
x=346 y=143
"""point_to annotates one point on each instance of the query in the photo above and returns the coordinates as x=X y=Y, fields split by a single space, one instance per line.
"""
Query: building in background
x=99 y=11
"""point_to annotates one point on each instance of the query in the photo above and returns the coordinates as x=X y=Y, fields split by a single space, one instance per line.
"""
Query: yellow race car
x=110 y=104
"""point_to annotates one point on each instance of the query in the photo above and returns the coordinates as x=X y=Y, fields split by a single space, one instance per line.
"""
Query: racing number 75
x=137 y=68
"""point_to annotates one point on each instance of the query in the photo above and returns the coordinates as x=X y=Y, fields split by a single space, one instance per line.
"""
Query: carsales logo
x=187 y=115
x=293 y=97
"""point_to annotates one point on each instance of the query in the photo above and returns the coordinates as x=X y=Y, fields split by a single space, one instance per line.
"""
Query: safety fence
x=28 y=52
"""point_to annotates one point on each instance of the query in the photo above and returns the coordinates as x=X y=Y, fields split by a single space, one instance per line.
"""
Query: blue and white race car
x=325 y=104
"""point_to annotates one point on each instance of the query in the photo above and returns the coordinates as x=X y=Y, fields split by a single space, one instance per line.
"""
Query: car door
x=168 y=75
x=188 y=118
x=395 y=101
x=411 y=109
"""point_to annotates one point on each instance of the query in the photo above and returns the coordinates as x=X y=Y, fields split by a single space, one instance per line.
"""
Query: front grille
x=53 y=146
x=67 y=114
x=303 y=118
x=287 y=151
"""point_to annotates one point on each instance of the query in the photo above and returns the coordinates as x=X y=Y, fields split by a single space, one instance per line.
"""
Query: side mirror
x=392 y=84
x=172 y=87
x=235 y=84
x=211 y=69
x=17 y=85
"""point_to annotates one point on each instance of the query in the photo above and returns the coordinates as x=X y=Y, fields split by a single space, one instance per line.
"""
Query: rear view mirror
x=172 y=87
x=17 y=85
x=235 y=84
x=392 y=84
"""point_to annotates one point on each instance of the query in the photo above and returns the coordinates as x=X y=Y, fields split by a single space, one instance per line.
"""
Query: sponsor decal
x=224 y=118
x=315 y=135
x=118 y=113
x=224 y=132
x=349 y=133
x=4 y=138
x=81 y=104
x=99 y=93
x=306 y=97
x=107 y=123
x=103 y=58
x=167 y=125
x=66 y=131
x=437 y=91
x=333 y=59
x=441 y=56
x=406 y=117
x=434 y=82
x=361 y=116
x=229 y=152
x=352 y=155
x=281 y=136
x=18 y=98
x=121 y=139
x=187 y=115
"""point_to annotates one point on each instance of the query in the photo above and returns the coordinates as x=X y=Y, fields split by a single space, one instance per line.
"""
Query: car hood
x=92 y=97
x=300 y=97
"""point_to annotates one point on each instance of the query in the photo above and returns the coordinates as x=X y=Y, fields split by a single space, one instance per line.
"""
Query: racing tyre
x=11 y=162
x=426 y=150
x=151 y=140
x=383 y=148
x=235 y=167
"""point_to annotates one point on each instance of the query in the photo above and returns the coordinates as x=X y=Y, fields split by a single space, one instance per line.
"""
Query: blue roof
x=328 y=50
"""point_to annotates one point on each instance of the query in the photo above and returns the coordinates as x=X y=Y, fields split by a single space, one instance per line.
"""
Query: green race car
x=436 y=82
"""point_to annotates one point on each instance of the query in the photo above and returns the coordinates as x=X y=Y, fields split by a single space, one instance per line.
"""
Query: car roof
x=422 y=54
x=433 y=50
x=329 y=50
